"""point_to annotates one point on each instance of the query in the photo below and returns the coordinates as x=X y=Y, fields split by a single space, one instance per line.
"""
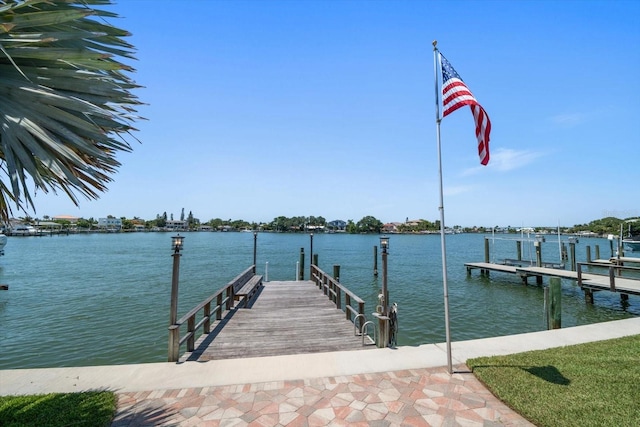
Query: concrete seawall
x=153 y=376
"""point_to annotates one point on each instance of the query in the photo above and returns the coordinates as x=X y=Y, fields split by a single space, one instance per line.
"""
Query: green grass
x=91 y=409
x=595 y=384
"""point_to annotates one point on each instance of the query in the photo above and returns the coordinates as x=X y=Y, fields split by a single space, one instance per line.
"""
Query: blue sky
x=264 y=108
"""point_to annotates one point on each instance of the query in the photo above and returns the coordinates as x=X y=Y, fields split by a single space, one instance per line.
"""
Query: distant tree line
x=368 y=224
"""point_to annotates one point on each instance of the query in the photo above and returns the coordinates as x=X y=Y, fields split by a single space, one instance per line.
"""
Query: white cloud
x=569 y=120
x=505 y=159
x=457 y=189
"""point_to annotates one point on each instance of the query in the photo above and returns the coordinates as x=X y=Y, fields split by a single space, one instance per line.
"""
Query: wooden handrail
x=224 y=301
x=334 y=289
x=612 y=271
x=615 y=266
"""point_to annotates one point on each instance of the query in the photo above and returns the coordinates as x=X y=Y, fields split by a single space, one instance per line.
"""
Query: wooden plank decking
x=597 y=282
x=284 y=318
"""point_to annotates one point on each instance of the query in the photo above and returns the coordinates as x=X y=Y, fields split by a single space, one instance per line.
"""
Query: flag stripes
x=456 y=94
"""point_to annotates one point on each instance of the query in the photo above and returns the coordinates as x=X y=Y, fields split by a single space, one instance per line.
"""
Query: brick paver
x=417 y=397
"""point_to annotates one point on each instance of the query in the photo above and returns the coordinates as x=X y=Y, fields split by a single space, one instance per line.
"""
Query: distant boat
x=23 y=230
x=631 y=243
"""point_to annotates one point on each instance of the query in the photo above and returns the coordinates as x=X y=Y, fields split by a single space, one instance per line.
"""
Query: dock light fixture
x=177 y=242
x=384 y=243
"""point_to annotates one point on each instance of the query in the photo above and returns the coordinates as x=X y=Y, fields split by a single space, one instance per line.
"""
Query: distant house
x=390 y=227
x=176 y=225
x=110 y=223
x=337 y=225
x=71 y=219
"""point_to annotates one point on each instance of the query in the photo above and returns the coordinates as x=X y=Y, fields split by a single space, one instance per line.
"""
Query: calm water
x=104 y=298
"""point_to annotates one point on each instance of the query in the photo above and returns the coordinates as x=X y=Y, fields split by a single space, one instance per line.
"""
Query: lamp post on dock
x=382 y=312
x=177 y=243
x=255 y=250
x=384 y=245
x=311 y=255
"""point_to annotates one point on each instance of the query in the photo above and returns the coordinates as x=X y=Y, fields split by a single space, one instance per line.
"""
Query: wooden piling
x=486 y=250
x=336 y=272
x=519 y=249
x=572 y=249
x=588 y=253
x=588 y=296
x=597 y=251
x=487 y=259
x=555 y=304
x=538 y=247
x=546 y=306
x=375 y=260
x=301 y=269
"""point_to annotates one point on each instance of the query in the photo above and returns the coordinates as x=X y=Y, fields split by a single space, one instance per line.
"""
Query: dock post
x=546 y=306
x=519 y=249
x=572 y=249
x=174 y=330
x=538 y=253
x=597 y=251
x=301 y=269
x=486 y=250
x=563 y=255
x=315 y=259
x=484 y=272
x=375 y=260
x=255 y=250
x=336 y=272
x=588 y=296
x=611 y=247
x=588 y=253
x=555 y=304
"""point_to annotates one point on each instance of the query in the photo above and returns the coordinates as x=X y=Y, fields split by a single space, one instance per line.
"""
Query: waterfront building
x=110 y=223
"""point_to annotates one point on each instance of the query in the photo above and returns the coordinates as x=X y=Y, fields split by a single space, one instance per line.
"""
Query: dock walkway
x=285 y=317
x=595 y=282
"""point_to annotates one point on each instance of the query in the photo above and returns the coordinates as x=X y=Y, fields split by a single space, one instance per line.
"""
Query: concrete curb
x=162 y=376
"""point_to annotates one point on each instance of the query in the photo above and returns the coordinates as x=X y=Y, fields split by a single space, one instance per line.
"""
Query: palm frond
x=67 y=105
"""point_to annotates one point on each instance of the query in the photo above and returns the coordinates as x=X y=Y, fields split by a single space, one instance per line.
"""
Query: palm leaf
x=67 y=105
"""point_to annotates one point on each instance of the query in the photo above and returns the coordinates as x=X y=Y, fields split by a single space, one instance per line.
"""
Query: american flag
x=455 y=94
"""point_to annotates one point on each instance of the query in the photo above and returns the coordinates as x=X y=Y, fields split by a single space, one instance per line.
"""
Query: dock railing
x=353 y=305
x=223 y=300
x=613 y=271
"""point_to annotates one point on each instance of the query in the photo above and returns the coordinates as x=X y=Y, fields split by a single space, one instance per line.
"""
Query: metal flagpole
x=441 y=208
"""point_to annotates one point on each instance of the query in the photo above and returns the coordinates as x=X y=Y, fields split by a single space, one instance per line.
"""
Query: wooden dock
x=523 y=272
x=285 y=317
x=589 y=282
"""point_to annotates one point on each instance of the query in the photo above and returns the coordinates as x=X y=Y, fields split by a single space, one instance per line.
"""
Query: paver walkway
x=413 y=397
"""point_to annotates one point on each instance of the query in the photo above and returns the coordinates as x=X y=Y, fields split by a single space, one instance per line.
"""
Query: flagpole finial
x=435 y=42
